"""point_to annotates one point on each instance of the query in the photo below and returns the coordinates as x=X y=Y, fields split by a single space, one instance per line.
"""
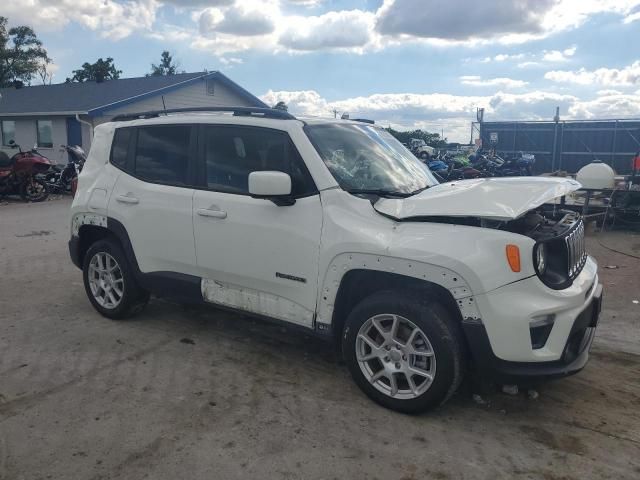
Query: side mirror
x=271 y=185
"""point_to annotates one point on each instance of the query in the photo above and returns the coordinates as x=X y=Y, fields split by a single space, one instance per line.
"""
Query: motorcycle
x=62 y=178
x=447 y=167
x=21 y=174
x=496 y=166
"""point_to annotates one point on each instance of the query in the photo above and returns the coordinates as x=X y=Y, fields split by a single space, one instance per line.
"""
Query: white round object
x=596 y=175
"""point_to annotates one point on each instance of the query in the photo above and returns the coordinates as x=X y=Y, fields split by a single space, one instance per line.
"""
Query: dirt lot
x=194 y=393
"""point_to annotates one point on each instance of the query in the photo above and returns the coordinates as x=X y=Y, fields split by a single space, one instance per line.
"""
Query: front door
x=253 y=254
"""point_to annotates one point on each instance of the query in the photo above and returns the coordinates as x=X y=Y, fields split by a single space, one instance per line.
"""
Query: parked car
x=335 y=227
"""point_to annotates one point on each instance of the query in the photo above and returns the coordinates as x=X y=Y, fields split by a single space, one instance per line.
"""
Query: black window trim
x=129 y=169
x=201 y=180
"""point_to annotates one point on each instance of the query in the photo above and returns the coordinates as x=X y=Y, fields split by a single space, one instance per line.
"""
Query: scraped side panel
x=255 y=301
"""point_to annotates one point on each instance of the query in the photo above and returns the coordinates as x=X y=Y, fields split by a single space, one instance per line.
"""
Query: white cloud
x=626 y=76
x=610 y=104
x=528 y=64
x=238 y=20
x=454 y=113
x=559 y=55
x=502 y=57
x=231 y=61
x=333 y=30
x=477 y=81
x=632 y=18
x=306 y=3
x=454 y=21
x=114 y=20
x=434 y=112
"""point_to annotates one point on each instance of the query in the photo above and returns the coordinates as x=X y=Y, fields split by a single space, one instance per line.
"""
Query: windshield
x=363 y=157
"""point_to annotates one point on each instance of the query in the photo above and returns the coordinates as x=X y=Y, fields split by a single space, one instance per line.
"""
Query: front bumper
x=574 y=355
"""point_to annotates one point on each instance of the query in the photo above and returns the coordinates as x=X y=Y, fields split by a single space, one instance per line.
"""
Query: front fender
x=346 y=262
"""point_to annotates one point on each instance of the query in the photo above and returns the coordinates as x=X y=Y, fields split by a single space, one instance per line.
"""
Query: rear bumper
x=574 y=355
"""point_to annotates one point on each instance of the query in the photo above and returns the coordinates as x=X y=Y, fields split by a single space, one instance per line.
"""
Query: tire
x=34 y=190
x=129 y=298
x=425 y=156
x=443 y=341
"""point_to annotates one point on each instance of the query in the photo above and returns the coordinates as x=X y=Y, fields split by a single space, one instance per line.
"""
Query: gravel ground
x=203 y=394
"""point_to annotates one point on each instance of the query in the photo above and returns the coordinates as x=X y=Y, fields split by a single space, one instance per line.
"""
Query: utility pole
x=556 y=119
x=335 y=113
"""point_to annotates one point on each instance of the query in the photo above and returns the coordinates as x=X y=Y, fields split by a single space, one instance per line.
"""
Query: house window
x=45 y=133
x=8 y=130
x=211 y=84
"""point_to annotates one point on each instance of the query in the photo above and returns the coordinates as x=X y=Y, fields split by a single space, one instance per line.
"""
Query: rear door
x=153 y=196
x=253 y=254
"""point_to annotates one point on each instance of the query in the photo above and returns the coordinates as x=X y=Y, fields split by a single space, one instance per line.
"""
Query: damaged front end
x=559 y=253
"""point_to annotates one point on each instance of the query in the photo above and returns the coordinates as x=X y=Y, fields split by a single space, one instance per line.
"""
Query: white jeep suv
x=334 y=226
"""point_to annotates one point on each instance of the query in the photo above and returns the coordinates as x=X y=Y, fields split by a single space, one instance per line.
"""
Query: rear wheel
x=404 y=351
x=109 y=281
x=34 y=190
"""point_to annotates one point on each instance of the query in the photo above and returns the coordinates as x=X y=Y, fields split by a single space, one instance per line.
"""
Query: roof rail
x=237 y=111
x=364 y=120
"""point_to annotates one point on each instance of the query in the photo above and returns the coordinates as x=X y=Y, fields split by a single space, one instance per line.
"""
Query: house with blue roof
x=65 y=114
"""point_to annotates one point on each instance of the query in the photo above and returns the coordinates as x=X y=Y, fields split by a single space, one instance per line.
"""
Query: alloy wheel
x=395 y=356
x=106 y=280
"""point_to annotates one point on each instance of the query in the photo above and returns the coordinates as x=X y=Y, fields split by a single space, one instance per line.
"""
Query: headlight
x=541 y=258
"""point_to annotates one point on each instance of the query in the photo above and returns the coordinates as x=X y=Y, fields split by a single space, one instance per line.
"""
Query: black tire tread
x=135 y=298
x=431 y=310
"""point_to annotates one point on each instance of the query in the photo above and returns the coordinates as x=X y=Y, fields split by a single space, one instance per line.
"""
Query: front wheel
x=425 y=156
x=34 y=190
x=404 y=351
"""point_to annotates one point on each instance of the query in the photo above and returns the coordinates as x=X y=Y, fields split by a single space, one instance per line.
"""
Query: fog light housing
x=540 y=329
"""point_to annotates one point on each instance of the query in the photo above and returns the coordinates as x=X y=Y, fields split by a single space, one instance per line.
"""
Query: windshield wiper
x=379 y=193
x=415 y=192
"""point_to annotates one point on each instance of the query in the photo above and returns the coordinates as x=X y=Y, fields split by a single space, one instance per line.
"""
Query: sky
x=405 y=63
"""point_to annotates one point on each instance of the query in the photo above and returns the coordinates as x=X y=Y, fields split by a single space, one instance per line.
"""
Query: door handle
x=127 y=199
x=206 y=212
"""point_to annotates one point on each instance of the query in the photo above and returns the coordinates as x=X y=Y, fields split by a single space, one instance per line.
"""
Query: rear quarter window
x=120 y=147
x=162 y=154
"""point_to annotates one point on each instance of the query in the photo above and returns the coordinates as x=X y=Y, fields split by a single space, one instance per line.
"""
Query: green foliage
x=281 y=106
x=431 y=139
x=96 y=72
x=167 y=66
x=21 y=54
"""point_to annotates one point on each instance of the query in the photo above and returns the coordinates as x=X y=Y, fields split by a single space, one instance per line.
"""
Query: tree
x=281 y=106
x=45 y=73
x=96 y=72
x=431 y=139
x=21 y=54
x=167 y=66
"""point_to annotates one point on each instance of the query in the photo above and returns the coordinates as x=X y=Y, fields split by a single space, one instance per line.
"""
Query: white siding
x=27 y=136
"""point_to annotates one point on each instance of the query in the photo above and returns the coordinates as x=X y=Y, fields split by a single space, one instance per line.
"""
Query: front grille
x=576 y=254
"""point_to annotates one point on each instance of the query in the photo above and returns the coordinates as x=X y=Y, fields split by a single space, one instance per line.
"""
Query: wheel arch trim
x=344 y=263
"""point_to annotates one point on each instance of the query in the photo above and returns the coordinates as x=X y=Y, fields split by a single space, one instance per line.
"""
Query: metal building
x=567 y=145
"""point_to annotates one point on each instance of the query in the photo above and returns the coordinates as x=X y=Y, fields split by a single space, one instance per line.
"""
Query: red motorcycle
x=21 y=174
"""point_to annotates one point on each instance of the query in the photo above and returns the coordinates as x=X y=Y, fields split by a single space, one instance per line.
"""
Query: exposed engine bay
x=540 y=224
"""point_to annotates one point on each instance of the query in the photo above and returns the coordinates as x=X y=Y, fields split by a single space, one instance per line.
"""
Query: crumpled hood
x=504 y=198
